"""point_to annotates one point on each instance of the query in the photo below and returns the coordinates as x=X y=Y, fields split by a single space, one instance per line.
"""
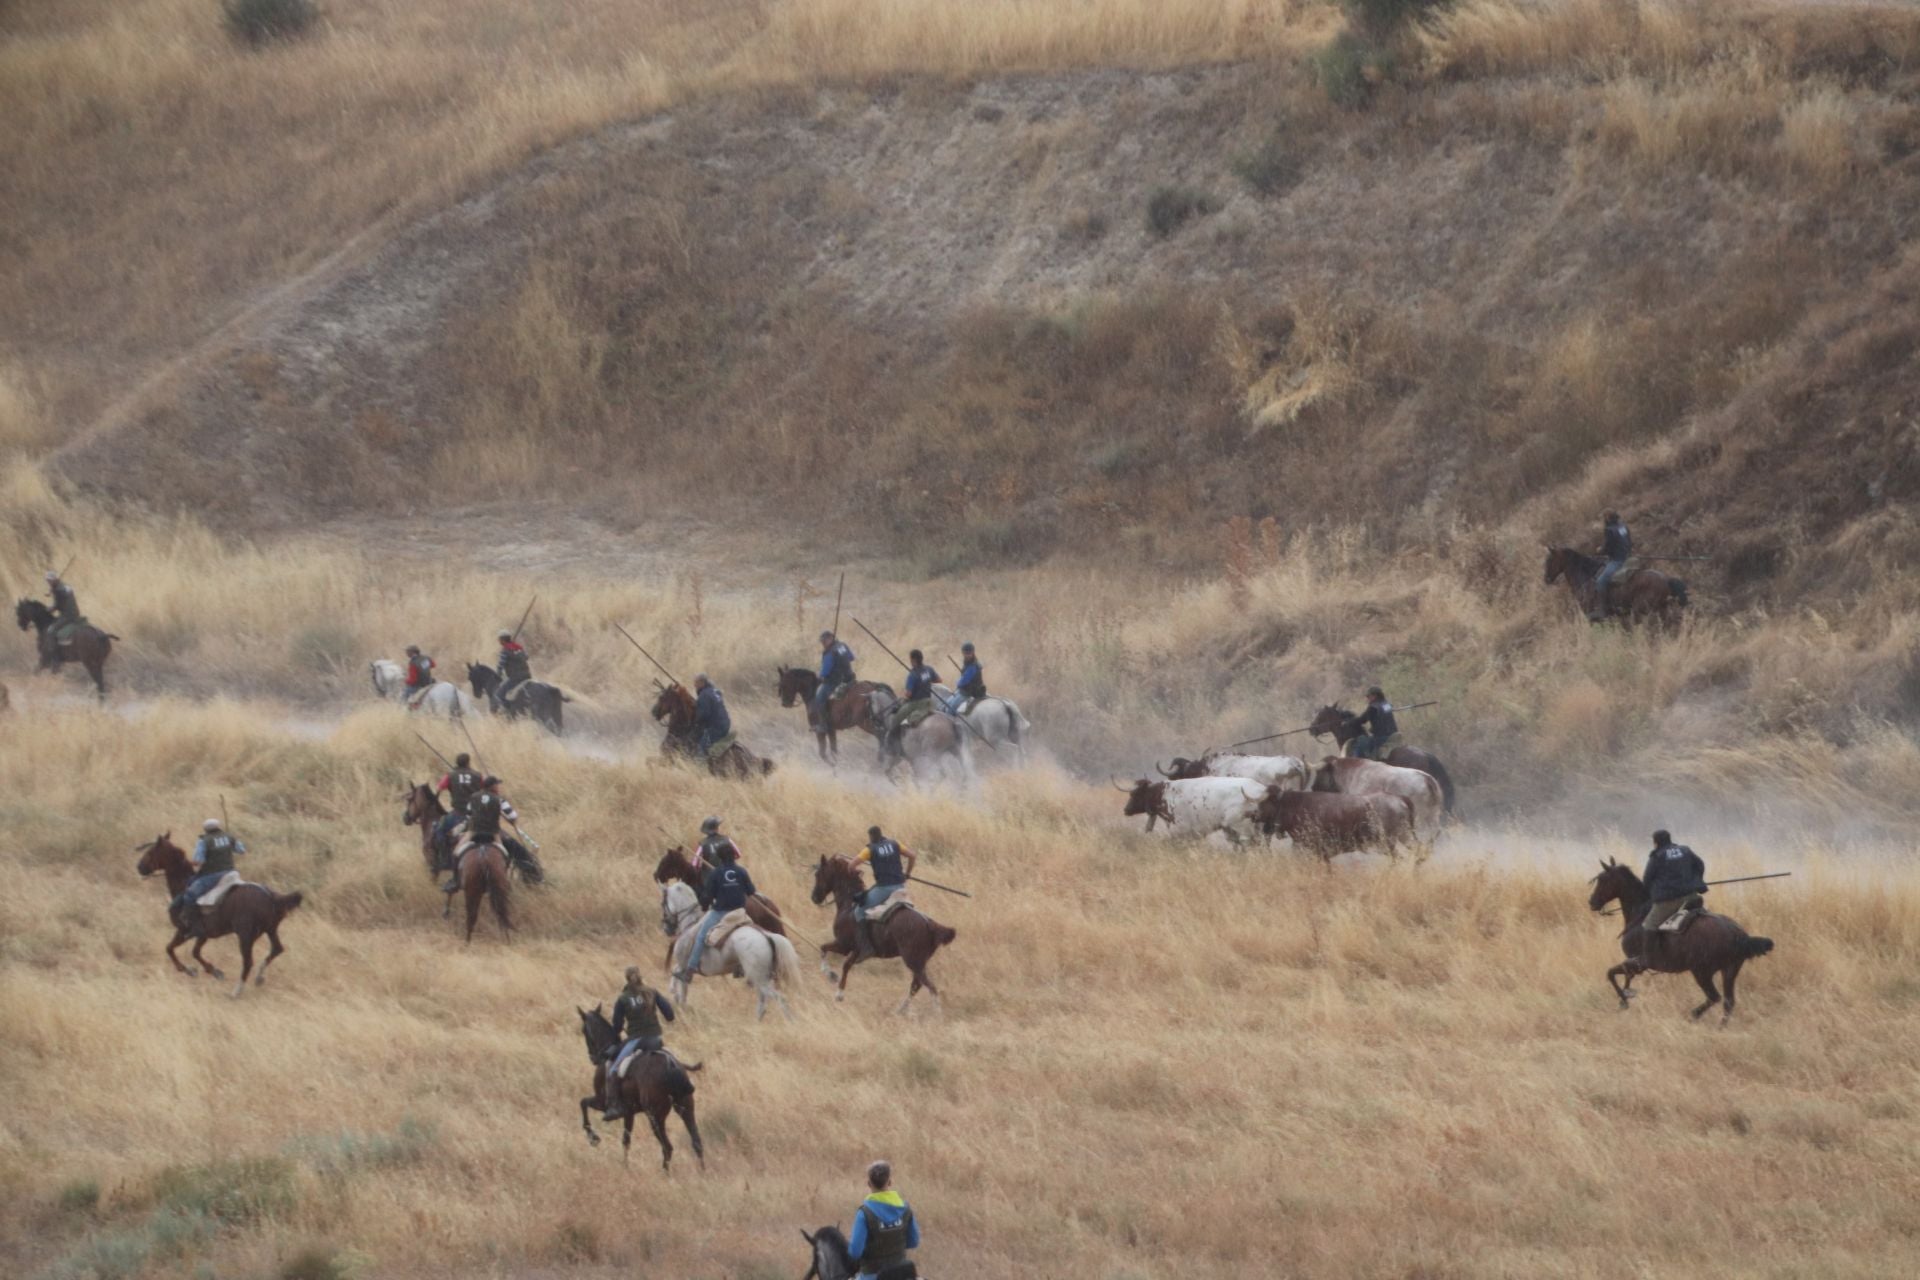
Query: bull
x=1200 y=806
x=1330 y=823
x=1346 y=775
x=1285 y=771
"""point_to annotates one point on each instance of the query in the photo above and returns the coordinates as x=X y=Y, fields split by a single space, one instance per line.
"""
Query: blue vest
x=885 y=857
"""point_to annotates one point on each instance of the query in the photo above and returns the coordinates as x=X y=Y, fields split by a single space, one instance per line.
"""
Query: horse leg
x=1629 y=969
x=1705 y=978
x=826 y=970
x=246 y=938
x=474 y=890
x=657 y=1117
x=213 y=970
x=586 y=1120
x=927 y=980
x=845 y=969
x=1728 y=976
x=97 y=668
x=683 y=1107
x=274 y=949
x=179 y=938
x=913 y=989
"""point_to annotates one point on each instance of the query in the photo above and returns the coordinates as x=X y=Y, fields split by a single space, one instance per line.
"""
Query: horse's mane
x=1339 y=708
x=1581 y=560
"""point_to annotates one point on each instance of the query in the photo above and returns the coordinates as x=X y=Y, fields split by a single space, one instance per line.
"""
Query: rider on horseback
x=486 y=809
x=884 y=1228
x=889 y=877
x=711 y=720
x=461 y=784
x=836 y=673
x=212 y=860
x=420 y=679
x=513 y=668
x=972 y=685
x=1616 y=544
x=915 y=707
x=1675 y=876
x=727 y=889
x=66 y=613
x=636 y=1017
x=1377 y=725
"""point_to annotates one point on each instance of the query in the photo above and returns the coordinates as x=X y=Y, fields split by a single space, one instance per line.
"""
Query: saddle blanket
x=512 y=692
x=1681 y=918
x=221 y=887
x=887 y=908
x=626 y=1063
x=720 y=932
x=721 y=747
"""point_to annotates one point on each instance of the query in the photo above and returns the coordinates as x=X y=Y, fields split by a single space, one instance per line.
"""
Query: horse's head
x=673 y=865
x=1182 y=768
x=1614 y=883
x=31 y=613
x=480 y=678
x=677 y=900
x=1556 y=564
x=795 y=683
x=1148 y=797
x=674 y=702
x=832 y=872
x=597 y=1030
x=832 y=1255
x=422 y=805
x=159 y=856
x=1329 y=719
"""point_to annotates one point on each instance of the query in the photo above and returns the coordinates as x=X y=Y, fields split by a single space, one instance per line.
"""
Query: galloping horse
x=655 y=1083
x=1344 y=727
x=424 y=810
x=675 y=704
x=1709 y=944
x=89 y=646
x=444 y=698
x=544 y=702
x=247 y=911
x=933 y=743
x=674 y=865
x=1636 y=595
x=906 y=935
x=852 y=709
x=763 y=959
x=998 y=720
x=483 y=873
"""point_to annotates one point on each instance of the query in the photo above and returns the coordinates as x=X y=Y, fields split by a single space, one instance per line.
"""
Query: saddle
x=514 y=690
x=720 y=748
x=915 y=713
x=221 y=887
x=887 y=908
x=1685 y=916
x=626 y=1065
x=720 y=932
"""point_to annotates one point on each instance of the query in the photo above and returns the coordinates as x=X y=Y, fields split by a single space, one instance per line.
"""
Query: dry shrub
x=1821 y=137
x=1710 y=126
x=1321 y=354
x=23 y=424
x=1589 y=39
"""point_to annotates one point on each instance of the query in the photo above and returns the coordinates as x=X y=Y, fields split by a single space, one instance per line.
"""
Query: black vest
x=885 y=857
x=462 y=786
x=886 y=1246
x=219 y=858
x=635 y=1015
x=484 y=814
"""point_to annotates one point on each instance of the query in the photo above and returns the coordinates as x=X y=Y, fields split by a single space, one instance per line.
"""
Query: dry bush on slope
x=1372 y=1032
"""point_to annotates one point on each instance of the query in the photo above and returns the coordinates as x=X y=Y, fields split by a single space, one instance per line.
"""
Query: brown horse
x=852 y=709
x=1709 y=943
x=906 y=935
x=674 y=864
x=247 y=911
x=424 y=810
x=1637 y=595
x=483 y=873
x=1345 y=727
x=675 y=705
x=655 y=1084
x=89 y=647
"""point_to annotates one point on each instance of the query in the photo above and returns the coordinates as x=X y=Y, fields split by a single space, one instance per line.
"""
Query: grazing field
x=1154 y=1060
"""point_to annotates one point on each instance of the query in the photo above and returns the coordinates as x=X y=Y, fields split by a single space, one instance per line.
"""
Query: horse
x=89 y=645
x=655 y=1083
x=443 y=698
x=423 y=809
x=483 y=873
x=832 y=1255
x=544 y=702
x=932 y=744
x=906 y=934
x=1709 y=943
x=247 y=911
x=674 y=865
x=763 y=959
x=1345 y=727
x=675 y=704
x=996 y=720
x=1637 y=595
x=854 y=708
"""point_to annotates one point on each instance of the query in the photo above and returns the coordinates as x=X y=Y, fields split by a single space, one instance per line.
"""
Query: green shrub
x=1381 y=18
x=323 y=1262
x=1169 y=208
x=340 y=1153
x=1341 y=69
x=262 y=22
x=81 y=1196
x=325 y=646
x=1268 y=169
x=230 y=1192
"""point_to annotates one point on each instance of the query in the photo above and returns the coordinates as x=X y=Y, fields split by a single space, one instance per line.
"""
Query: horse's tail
x=679 y=1079
x=1441 y=776
x=943 y=934
x=1679 y=589
x=786 y=961
x=1750 y=947
x=497 y=894
x=766 y=765
x=284 y=904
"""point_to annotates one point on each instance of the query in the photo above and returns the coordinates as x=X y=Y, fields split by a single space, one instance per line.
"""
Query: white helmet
x=52 y=576
x=211 y=824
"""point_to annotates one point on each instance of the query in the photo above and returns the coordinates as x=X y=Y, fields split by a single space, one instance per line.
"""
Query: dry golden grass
x=1380 y=1071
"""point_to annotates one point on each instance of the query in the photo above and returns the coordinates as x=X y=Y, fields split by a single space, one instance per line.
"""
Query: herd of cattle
x=1345 y=805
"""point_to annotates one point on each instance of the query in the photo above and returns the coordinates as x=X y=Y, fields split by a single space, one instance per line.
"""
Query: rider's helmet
x=52 y=576
x=826 y=637
x=211 y=824
x=490 y=781
x=967 y=647
x=413 y=650
x=710 y=826
x=506 y=635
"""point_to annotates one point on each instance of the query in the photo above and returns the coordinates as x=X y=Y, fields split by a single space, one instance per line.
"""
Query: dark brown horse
x=89 y=647
x=546 y=703
x=852 y=709
x=1709 y=944
x=1345 y=727
x=247 y=911
x=674 y=864
x=655 y=1084
x=675 y=705
x=483 y=874
x=424 y=810
x=906 y=935
x=1637 y=595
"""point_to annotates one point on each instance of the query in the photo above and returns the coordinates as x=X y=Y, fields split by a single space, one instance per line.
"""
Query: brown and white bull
x=1198 y=806
x=1347 y=775
x=1330 y=823
x=1284 y=771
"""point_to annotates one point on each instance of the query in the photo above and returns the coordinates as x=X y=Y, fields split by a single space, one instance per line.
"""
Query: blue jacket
x=1617 y=543
x=889 y=1208
x=1378 y=720
x=972 y=682
x=729 y=887
x=1674 y=871
x=836 y=664
x=710 y=714
x=920 y=682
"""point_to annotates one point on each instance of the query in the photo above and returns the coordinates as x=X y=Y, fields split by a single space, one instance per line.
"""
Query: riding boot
x=613 y=1110
x=862 y=940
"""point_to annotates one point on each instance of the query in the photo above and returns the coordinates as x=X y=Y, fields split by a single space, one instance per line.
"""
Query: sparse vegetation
x=1170 y=208
x=264 y=22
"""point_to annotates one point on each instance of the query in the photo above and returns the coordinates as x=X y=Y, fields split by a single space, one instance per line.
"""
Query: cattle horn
x=1125 y=791
x=1162 y=769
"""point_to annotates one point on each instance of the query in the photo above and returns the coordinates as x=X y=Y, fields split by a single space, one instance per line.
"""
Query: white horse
x=934 y=748
x=763 y=959
x=995 y=719
x=444 y=699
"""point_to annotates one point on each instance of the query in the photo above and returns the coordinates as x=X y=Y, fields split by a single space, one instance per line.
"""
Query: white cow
x=1372 y=778
x=1290 y=773
x=444 y=699
x=1198 y=807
